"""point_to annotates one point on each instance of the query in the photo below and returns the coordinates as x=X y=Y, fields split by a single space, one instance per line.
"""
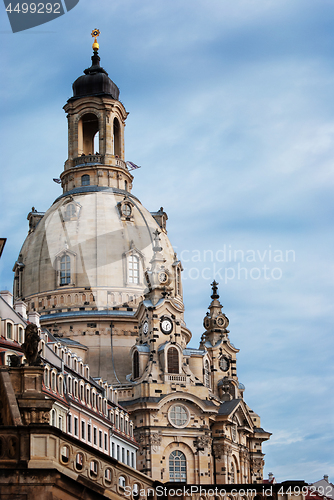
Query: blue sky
x=232 y=120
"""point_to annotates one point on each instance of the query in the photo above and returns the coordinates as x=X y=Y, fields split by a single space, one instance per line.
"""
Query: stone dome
x=92 y=240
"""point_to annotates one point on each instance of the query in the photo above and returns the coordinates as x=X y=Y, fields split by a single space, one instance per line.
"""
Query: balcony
x=175 y=378
x=97 y=159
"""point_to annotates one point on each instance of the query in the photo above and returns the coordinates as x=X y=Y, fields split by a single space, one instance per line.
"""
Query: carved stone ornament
x=258 y=463
x=203 y=442
x=141 y=438
x=219 y=450
x=30 y=346
x=35 y=416
x=155 y=441
x=100 y=173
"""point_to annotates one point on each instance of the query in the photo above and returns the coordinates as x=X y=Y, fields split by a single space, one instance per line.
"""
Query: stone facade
x=107 y=277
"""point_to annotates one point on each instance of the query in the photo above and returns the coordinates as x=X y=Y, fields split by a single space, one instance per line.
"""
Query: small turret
x=215 y=321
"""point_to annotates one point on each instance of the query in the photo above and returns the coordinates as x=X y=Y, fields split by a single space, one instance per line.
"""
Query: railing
x=100 y=159
x=82 y=160
x=176 y=378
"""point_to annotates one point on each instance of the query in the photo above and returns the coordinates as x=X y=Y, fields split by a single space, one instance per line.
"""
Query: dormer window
x=70 y=212
x=65 y=268
x=125 y=208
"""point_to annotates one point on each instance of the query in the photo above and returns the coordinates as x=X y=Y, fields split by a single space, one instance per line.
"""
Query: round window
x=126 y=210
x=178 y=416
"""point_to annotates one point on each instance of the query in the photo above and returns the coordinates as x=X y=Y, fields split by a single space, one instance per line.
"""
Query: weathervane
x=95 y=33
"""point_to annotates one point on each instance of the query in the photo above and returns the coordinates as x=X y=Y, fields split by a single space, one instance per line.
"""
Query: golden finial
x=95 y=33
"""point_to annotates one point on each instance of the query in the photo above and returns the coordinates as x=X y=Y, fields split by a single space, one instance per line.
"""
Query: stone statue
x=30 y=346
x=15 y=360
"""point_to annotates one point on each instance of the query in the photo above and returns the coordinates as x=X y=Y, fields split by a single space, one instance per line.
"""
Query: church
x=99 y=270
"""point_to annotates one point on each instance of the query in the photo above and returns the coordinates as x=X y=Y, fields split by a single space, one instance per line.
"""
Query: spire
x=215 y=322
x=157 y=276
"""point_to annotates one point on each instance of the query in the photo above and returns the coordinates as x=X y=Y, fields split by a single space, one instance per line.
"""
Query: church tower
x=82 y=266
x=96 y=121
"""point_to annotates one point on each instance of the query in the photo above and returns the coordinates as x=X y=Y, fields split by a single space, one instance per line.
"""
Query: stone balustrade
x=46 y=447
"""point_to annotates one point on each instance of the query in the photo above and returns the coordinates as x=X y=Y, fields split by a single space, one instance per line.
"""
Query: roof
x=86 y=313
x=143 y=348
x=95 y=189
x=193 y=352
x=228 y=406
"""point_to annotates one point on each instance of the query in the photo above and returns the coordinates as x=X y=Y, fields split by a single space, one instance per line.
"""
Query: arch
x=177 y=467
x=234 y=469
x=135 y=365
x=79 y=461
x=117 y=137
x=65 y=454
x=94 y=468
x=173 y=360
x=88 y=127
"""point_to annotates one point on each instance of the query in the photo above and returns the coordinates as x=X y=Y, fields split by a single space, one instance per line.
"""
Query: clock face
x=163 y=277
x=145 y=328
x=224 y=363
x=166 y=325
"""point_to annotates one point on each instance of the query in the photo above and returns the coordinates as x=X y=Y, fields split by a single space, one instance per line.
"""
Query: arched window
x=133 y=269
x=9 y=331
x=85 y=180
x=207 y=374
x=177 y=467
x=135 y=365
x=53 y=381
x=46 y=377
x=20 y=339
x=88 y=127
x=232 y=474
x=172 y=360
x=126 y=185
x=65 y=270
x=117 y=138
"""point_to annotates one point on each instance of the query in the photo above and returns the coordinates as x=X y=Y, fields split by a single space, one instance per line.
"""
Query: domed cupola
x=95 y=81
